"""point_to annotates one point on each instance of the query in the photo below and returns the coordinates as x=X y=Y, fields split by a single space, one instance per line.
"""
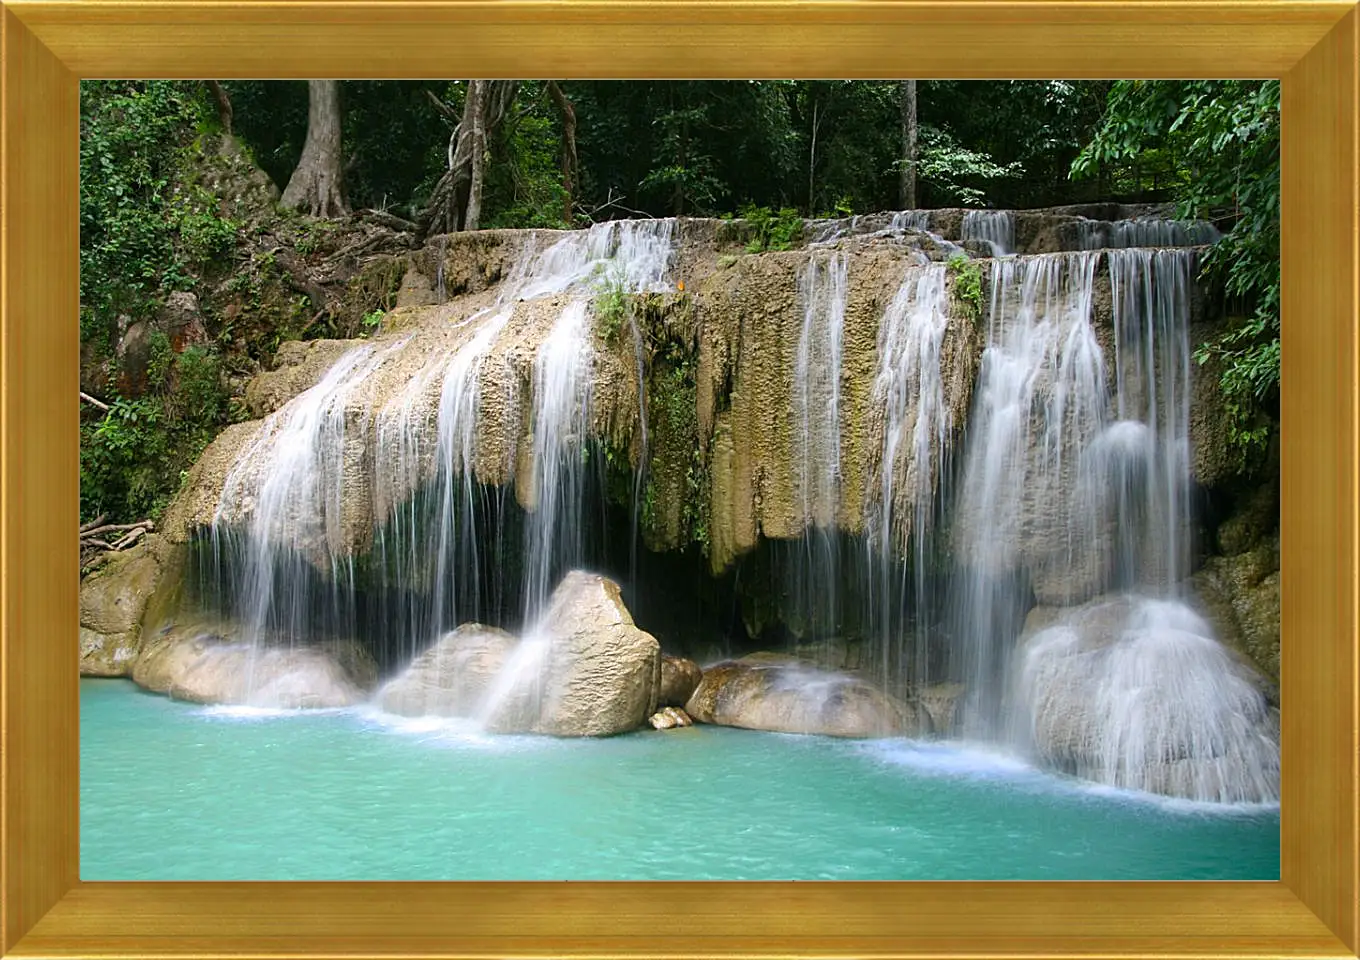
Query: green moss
x=611 y=306
x=967 y=285
x=675 y=509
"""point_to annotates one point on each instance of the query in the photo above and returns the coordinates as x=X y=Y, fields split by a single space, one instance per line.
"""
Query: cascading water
x=1040 y=397
x=996 y=228
x=1148 y=446
x=561 y=415
x=281 y=566
x=1144 y=232
x=1136 y=693
x=1069 y=492
x=909 y=390
x=284 y=490
x=817 y=409
x=1071 y=488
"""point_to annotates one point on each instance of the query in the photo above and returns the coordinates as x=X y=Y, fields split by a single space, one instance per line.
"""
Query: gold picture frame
x=49 y=45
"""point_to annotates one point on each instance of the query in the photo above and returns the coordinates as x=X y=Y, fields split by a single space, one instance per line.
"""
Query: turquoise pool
x=173 y=791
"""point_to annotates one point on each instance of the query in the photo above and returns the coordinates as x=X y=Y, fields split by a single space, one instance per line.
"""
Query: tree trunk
x=909 y=132
x=569 y=161
x=477 y=112
x=223 y=105
x=812 y=158
x=452 y=207
x=316 y=186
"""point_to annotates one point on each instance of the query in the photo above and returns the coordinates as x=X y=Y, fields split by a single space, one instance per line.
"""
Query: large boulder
x=113 y=601
x=585 y=670
x=679 y=679
x=1137 y=694
x=453 y=677
x=783 y=695
x=207 y=664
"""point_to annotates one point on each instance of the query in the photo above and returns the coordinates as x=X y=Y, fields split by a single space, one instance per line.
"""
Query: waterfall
x=281 y=564
x=1039 y=564
x=996 y=228
x=1144 y=232
x=1039 y=398
x=286 y=489
x=1136 y=693
x=817 y=386
x=561 y=412
x=1145 y=460
x=817 y=413
x=909 y=391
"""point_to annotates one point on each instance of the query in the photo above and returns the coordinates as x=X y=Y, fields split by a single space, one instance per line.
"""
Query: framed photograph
x=696 y=509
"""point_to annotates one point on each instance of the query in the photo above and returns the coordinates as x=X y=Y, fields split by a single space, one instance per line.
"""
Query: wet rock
x=107 y=655
x=585 y=670
x=670 y=718
x=453 y=677
x=1137 y=694
x=594 y=672
x=205 y=663
x=1240 y=596
x=940 y=702
x=113 y=601
x=679 y=678
x=786 y=696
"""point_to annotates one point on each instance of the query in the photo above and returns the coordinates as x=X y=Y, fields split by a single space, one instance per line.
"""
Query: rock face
x=113 y=601
x=453 y=677
x=1137 y=694
x=204 y=664
x=784 y=696
x=679 y=678
x=1240 y=596
x=585 y=671
x=1239 y=590
x=298 y=365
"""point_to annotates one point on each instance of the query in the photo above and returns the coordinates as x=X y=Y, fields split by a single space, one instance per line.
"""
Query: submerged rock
x=770 y=692
x=205 y=664
x=113 y=601
x=679 y=679
x=670 y=718
x=453 y=677
x=1137 y=694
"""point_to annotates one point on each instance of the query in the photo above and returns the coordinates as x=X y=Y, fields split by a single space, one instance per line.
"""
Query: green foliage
x=144 y=229
x=373 y=320
x=950 y=167
x=147 y=229
x=133 y=459
x=967 y=277
x=1223 y=138
x=611 y=305
x=524 y=185
x=772 y=231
